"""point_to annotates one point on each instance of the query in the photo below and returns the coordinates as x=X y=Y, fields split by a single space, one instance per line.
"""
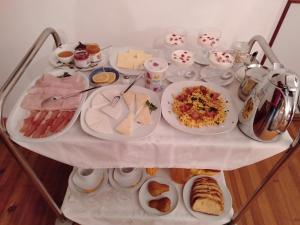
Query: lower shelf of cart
x=110 y=205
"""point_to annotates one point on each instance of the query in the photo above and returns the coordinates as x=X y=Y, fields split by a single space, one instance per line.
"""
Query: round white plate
x=18 y=114
x=205 y=218
x=145 y=196
x=175 y=88
x=118 y=186
x=56 y=63
x=114 y=57
x=216 y=79
x=139 y=130
x=76 y=189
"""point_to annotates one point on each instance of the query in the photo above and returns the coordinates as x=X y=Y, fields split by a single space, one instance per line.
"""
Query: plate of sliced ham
x=32 y=121
x=130 y=119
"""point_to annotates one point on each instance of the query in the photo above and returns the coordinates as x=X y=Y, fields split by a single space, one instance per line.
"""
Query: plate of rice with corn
x=199 y=108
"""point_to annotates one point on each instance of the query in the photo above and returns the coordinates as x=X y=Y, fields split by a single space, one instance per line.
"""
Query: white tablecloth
x=109 y=206
x=166 y=147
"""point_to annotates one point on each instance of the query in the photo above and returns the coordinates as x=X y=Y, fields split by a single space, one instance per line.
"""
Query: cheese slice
x=113 y=111
x=132 y=59
x=129 y=98
x=124 y=61
x=98 y=101
x=110 y=94
x=140 y=101
x=144 y=117
x=125 y=127
x=98 y=121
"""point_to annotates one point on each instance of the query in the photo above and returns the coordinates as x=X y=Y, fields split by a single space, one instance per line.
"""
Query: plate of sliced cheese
x=129 y=60
x=135 y=116
x=208 y=199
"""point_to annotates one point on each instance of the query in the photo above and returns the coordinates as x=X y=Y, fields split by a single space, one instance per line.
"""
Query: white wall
x=287 y=44
x=125 y=22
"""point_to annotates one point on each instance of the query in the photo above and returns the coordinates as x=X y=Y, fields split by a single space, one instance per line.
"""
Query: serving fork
x=116 y=98
x=61 y=97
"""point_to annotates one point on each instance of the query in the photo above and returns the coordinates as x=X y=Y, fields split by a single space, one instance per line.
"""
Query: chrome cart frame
x=13 y=148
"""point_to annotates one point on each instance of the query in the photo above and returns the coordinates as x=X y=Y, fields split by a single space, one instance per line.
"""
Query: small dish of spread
x=103 y=76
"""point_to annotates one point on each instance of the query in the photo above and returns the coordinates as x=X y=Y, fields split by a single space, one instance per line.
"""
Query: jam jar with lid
x=81 y=58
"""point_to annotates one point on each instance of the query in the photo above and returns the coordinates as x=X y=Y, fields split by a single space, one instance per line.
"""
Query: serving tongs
x=62 y=97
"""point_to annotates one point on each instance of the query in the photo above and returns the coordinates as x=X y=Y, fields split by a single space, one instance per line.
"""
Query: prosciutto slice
x=48 y=86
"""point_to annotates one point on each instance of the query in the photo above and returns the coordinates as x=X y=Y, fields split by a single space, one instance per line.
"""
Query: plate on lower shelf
x=205 y=218
x=145 y=196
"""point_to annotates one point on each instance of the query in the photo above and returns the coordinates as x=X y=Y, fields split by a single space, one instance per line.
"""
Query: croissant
x=163 y=204
x=156 y=189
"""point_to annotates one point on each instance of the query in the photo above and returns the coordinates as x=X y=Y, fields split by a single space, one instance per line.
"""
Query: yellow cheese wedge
x=125 y=127
x=140 y=101
x=129 y=98
x=144 y=117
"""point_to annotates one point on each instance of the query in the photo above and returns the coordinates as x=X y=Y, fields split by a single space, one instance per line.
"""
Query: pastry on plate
x=204 y=172
x=155 y=188
x=162 y=204
x=206 y=196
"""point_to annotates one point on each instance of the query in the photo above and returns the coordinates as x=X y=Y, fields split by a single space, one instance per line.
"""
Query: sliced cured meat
x=185 y=107
x=182 y=97
x=71 y=82
x=34 y=102
x=39 y=117
x=67 y=116
x=56 y=123
x=52 y=91
x=28 y=121
x=195 y=115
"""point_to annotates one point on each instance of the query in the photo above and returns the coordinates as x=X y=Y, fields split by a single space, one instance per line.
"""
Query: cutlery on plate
x=55 y=98
x=116 y=98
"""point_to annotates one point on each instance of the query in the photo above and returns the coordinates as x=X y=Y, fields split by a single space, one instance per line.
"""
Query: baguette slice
x=208 y=206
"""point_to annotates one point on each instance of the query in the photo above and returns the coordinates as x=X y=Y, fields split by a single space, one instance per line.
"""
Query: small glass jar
x=81 y=58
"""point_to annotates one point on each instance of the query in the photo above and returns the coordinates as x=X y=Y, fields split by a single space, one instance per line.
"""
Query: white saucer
x=75 y=189
x=117 y=183
x=204 y=75
x=172 y=76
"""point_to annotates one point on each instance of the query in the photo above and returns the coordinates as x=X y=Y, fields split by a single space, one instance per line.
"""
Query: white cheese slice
x=113 y=111
x=110 y=94
x=98 y=101
x=144 y=117
x=98 y=121
x=125 y=127
x=140 y=101
x=124 y=61
x=129 y=98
